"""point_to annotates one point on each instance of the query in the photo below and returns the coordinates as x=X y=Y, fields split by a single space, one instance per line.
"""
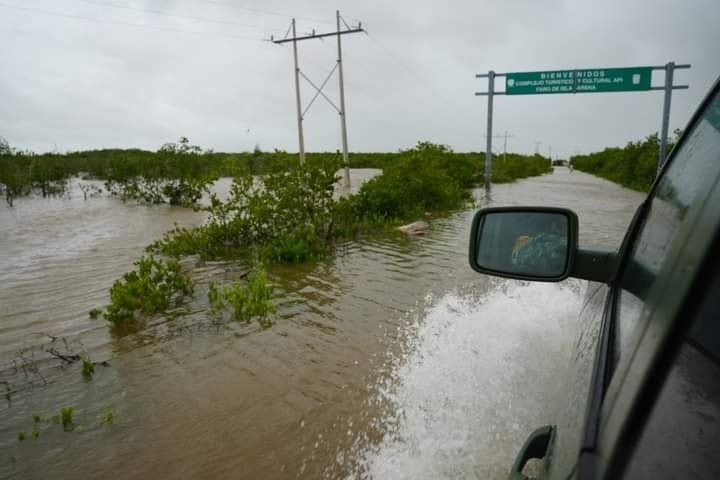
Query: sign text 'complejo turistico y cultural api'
x=579 y=81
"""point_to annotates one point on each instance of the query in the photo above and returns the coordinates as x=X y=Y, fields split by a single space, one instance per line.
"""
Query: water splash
x=478 y=377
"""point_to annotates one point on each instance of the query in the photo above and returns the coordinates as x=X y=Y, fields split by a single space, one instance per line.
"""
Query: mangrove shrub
x=253 y=300
x=148 y=289
x=178 y=174
x=632 y=166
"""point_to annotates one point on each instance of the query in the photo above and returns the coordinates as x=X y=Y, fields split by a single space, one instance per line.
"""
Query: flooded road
x=390 y=360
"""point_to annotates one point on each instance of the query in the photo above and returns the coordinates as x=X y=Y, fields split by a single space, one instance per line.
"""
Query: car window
x=694 y=169
x=682 y=434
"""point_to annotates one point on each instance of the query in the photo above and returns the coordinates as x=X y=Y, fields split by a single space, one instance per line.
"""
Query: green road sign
x=579 y=81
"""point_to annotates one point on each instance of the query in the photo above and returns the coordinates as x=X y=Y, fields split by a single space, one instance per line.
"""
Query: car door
x=666 y=260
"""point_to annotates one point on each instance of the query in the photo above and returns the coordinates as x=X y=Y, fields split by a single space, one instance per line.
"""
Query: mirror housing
x=594 y=264
x=525 y=243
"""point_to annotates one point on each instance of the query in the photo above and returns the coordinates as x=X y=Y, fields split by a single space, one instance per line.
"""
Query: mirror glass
x=524 y=243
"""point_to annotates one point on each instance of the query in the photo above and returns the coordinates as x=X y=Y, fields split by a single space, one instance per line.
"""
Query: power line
x=266 y=12
x=174 y=15
x=124 y=24
x=428 y=84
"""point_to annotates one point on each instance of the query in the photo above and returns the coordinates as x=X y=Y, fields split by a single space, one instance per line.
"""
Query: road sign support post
x=669 y=71
x=487 y=175
x=588 y=80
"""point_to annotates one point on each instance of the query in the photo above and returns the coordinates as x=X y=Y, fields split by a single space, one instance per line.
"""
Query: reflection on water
x=391 y=351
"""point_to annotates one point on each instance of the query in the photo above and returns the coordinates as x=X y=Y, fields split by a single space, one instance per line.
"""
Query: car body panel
x=571 y=413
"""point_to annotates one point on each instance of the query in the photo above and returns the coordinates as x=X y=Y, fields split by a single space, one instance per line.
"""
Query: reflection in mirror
x=524 y=243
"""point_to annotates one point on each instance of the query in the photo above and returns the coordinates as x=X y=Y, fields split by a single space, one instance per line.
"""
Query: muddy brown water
x=365 y=372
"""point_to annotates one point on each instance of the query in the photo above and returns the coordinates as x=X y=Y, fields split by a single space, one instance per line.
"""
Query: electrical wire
x=428 y=84
x=409 y=69
x=125 y=24
x=265 y=12
x=174 y=15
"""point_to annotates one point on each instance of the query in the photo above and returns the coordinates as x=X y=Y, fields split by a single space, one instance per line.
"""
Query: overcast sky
x=202 y=70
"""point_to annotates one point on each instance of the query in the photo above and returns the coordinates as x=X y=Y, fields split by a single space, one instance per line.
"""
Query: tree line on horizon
x=180 y=172
x=633 y=166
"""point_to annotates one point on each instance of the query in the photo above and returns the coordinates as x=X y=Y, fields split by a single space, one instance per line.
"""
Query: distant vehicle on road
x=642 y=399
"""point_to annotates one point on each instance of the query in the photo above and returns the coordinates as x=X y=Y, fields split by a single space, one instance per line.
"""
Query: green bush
x=66 y=418
x=408 y=187
x=512 y=167
x=282 y=216
x=21 y=173
x=251 y=301
x=108 y=418
x=633 y=166
x=148 y=290
x=427 y=178
x=177 y=174
x=291 y=215
x=88 y=368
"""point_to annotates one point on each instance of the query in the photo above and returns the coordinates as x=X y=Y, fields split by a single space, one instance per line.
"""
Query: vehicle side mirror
x=526 y=243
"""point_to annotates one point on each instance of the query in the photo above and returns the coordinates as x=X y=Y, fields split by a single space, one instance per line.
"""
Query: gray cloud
x=81 y=84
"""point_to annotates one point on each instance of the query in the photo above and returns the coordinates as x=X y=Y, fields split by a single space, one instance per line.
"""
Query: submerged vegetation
x=149 y=289
x=22 y=173
x=174 y=175
x=65 y=418
x=281 y=217
x=88 y=368
x=180 y=172
x=277 y=210
x=292 y=215
x=248 y=302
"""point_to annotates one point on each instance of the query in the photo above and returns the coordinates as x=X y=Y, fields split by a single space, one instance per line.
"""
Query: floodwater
x=390 y=360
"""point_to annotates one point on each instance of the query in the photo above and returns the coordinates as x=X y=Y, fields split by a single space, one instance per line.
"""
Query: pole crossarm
x=318 y=91
x=662 y=67
x=674 y=87
x=317 y=35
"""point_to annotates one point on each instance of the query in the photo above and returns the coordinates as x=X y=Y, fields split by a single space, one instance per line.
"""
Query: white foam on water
x=477 y=378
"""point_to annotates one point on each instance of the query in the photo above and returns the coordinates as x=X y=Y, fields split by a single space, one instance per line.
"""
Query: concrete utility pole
x=346 y=160
x=318 y=90
x=504 y=136
x=301 y=136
